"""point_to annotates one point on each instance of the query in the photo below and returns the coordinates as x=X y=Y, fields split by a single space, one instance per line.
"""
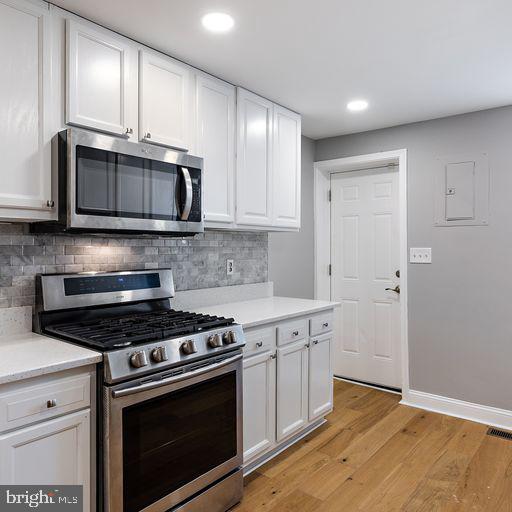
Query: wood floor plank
x=440 y=483
x=374 y=455
x=487 y=482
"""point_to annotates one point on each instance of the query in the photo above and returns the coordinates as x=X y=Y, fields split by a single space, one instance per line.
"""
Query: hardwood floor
x=374 y=455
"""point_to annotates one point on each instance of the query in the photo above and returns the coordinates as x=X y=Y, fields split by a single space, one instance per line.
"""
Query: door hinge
x=330 y=269
x=329 y=196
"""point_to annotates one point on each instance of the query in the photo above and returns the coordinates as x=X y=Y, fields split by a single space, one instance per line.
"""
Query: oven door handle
x=170 y=380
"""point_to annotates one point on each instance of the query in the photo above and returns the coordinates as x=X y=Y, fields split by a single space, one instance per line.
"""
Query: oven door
x=115 y=185
x=166 y=440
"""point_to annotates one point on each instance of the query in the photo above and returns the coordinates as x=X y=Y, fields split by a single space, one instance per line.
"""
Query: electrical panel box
x=462 y=191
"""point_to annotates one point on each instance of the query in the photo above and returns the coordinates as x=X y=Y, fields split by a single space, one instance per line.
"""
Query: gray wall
x=290 y=255
x=198 y=262
x=460 y=308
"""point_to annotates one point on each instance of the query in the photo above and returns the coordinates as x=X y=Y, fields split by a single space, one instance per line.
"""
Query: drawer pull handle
x=259 y=344
x=273 y=356
x=295 y=333
x=326 y=324
x=51 y=403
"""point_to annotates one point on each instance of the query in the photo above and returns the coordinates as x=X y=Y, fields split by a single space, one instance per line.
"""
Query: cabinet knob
x=147 y=136
x=51 y=403
x=325 y=324
x=295 y=333
x=315 y=342
x=273 y=356
x=307 y=345
x=259 y=344
x=129 y=131
x=50 y=203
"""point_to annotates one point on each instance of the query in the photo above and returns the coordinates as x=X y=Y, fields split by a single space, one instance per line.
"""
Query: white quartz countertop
x=29 y=355
x=251 y=313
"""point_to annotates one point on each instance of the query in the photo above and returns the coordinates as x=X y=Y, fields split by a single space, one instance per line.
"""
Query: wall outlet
x=420 y=255
x=230 y=267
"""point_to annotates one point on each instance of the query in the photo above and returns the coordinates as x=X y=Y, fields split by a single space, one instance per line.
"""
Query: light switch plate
x=420 y=255
x=230 y=267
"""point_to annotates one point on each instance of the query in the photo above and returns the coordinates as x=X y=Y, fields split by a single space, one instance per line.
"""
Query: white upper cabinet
x=215 y=141
x=25 y=95
x=254 y=160
x=164 y=109
x=101 y=80
x=286 y=169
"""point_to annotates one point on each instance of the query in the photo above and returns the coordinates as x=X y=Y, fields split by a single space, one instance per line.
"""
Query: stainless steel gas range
x=169 y=390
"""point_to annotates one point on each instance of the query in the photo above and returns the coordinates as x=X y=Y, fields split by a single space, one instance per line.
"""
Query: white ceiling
x=411 y=59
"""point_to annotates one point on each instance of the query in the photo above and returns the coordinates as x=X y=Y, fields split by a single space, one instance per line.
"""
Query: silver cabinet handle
x=273 y=356
x=51 y=403
x=129 y=131
x=50 y=203
x=295 y=333
x=147 y=135
x=188 y=193
x=259 y=344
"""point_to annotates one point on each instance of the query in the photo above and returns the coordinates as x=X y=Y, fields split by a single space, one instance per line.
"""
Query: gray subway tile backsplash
x=198 y=262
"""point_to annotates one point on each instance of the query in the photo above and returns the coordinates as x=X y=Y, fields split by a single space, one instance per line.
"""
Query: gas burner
x=135 y=329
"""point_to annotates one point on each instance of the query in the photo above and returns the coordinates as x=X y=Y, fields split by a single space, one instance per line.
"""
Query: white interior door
x=365 y=251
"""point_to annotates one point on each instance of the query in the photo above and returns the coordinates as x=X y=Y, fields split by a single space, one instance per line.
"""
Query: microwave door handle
x=188 y=193
x=171 y=380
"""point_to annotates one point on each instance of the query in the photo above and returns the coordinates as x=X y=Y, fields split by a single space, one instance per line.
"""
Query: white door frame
x=322 y=240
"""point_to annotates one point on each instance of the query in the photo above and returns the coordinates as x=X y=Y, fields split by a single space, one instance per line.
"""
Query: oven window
x=173 y=439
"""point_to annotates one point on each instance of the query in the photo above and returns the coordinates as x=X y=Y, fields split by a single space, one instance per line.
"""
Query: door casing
x=322 y=235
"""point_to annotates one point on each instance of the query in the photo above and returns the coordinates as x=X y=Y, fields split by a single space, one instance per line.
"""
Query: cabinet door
x=286 y=168
x=101 y=80
x=25 y=95
x=292 y=388
x=55 y=452
x=163 y=100
x=259 y=404
x=254 y=160
x=320 y=376
x=215 y=142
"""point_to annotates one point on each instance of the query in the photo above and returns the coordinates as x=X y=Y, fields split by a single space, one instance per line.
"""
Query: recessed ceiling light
x=357 y=105
x=217 y=22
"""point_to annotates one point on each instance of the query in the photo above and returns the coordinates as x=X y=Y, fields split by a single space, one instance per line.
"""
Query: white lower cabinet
x=55 y=452
x=292 y=388
x=287 y=383
x=320 y=376
x=259 y=404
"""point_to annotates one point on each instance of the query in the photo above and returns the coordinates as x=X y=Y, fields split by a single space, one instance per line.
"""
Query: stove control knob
x=188 y=347
x=138 y=359
x=159 y=354
x=215 y=341
x=229 y=337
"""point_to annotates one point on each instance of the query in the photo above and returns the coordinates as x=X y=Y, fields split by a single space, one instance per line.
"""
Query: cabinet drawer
x=32 y=403
x=292 y=331
x=258 y=340
x=320 y=324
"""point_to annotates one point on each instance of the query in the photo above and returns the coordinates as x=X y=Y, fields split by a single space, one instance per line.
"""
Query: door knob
x=397 y=273
x=396 y=289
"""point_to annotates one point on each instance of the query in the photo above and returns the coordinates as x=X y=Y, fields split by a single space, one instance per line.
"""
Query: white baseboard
x=493 y=416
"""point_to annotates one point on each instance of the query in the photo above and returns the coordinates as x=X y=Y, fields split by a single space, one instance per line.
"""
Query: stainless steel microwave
x=108 y=184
